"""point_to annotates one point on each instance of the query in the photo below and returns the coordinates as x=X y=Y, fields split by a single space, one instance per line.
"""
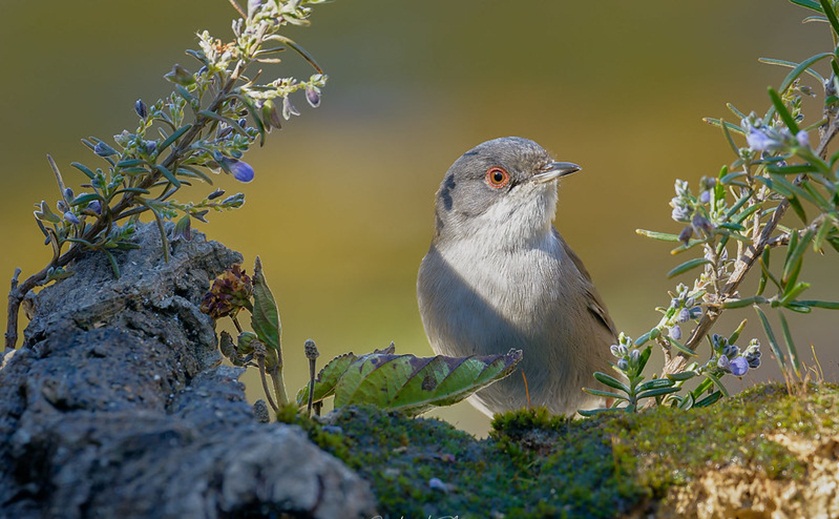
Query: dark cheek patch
x=446 y=192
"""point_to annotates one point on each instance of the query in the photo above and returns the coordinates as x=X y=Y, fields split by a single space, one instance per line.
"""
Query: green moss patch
x=538 y=465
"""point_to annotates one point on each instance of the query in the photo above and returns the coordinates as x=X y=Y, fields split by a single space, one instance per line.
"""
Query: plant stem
x=18 y=291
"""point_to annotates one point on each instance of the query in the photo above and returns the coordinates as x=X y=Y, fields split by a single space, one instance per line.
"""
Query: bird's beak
x=555 y=170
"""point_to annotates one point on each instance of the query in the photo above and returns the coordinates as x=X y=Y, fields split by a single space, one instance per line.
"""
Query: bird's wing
x=595 y=303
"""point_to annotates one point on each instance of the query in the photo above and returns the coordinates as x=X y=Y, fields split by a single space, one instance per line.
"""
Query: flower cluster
x=764 y=137
x=230 y=292
x=690 y=209
x=628 y=356
x=683 y=308
x=728 y=358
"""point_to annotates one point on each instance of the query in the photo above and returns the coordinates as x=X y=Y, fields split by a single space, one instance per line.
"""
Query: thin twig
x=259 y=354
x=238 y=8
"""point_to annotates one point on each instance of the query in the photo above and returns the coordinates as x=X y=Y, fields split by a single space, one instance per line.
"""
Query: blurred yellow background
x=341 y=207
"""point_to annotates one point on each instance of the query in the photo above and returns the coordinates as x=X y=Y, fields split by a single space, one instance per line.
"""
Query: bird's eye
x=497 y=177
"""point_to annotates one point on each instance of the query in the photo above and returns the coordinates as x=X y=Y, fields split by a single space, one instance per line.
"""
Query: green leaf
x=84 y=169
x=684 y=375
x=827 y=8
x=174 y=137
x=265 y=320
x=717 y=383
x=645 y=356
x=732 y=339
x=657 y=392
x=792 y=169
x=605 y=394
x=681 y=347
x=709 y=400
x=795 y=256
x=655 y=383
x=686 y=266
x=808 y=4
x=798 y=207
x=798 y=68
x=783 y=112
x=168 y=174
x=413 y=384
x=773 y=343
x=663 y=236
x=793 y=352
x=827 y=305
x=611 y=381
x=85 y=199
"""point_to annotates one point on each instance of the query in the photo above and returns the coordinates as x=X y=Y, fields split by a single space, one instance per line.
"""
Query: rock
x=117 y=405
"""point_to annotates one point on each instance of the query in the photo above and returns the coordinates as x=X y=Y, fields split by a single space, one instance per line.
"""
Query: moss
x=538 y=465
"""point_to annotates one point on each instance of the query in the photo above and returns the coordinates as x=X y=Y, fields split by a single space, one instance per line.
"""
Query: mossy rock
x=760 y=452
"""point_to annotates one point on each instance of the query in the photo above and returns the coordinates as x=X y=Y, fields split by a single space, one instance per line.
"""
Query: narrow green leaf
x=228 y=121
x=663 y=236
x=798 y=68
x=792 y=169
x=85 y=199
x=709 y=400
x=611 y=381
x=657 y=392
x=645 y=356
x=719 y=123
x=168 y=175
x=783 y=112
x=793 y=293
x=798 y=207
x=791 y=349
x=686 y=266
x=717 y=383
x=265 y=319
x=809 y=4
x=84 y=169
x=605 y=394
x=827 y=8
x=770 y=335
x=827 y=305
x=732 y=339
x=742 y=303
x=727 y=134
x=174 y=137
x=730 y=178
x=684 y=375
x=681 y=347
x=655 y=383
x=798 y=245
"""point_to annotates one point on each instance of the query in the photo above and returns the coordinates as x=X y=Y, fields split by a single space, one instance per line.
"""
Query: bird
x=499 y=276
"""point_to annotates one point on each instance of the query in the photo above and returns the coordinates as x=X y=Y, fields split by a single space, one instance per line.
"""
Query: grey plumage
x=499 y=276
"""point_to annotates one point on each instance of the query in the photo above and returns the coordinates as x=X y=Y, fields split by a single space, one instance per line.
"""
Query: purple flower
x=313 y=96
x=803 y=139
x=140 y=108
x=723 y=363
x=241 y=171
x=739 y=366
x=95 y=206
x=675 y=333
x=705 y=197
x=684 y=315
x=70 y=217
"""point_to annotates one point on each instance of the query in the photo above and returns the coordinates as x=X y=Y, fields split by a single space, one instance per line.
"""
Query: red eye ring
x=497 y=177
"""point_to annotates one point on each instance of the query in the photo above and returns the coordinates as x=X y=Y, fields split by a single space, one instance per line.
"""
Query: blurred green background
x=341 y=207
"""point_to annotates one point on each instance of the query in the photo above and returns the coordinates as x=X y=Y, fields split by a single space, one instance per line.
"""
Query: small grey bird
x=499 y=276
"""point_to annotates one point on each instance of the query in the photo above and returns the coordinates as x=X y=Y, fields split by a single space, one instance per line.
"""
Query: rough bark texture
x=117 y=406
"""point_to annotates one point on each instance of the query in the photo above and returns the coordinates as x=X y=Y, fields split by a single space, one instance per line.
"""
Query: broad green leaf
x=415 y=384
x=265 y=320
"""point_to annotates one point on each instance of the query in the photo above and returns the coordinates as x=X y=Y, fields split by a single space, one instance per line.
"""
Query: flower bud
x=70 y=217
x=141 y=109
